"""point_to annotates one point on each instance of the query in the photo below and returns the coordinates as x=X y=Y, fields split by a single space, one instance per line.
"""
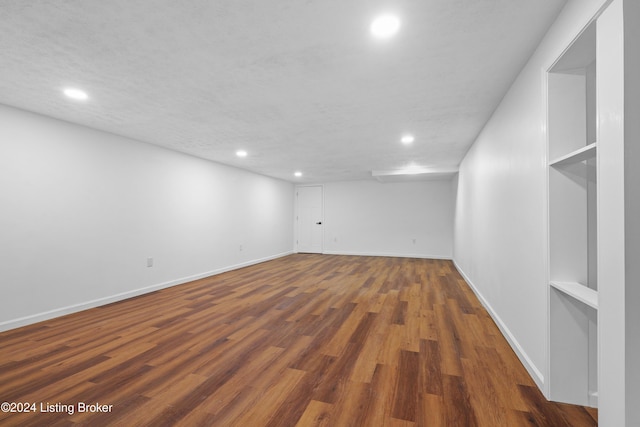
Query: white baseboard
x=387 y=254
x=39 y=317
x=513 y=342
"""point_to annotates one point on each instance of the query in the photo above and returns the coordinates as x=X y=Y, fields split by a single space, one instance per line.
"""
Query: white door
x=309 y=219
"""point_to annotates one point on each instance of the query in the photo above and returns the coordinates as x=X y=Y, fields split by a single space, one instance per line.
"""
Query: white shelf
x=584 y=153
x=578 y=291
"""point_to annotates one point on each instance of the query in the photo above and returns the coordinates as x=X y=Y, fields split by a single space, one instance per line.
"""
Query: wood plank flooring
x=304 y=340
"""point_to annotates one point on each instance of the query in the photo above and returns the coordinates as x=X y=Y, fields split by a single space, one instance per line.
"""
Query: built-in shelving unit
x=573 y=287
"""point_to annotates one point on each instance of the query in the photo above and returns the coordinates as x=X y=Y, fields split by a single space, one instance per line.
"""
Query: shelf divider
x=579 y=155
x=579 y=292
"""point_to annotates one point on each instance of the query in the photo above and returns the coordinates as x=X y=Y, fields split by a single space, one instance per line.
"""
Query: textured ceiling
x=301 y=85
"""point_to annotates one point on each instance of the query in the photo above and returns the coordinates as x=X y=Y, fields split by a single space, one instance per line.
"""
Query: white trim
x=513 y=342
x=547 y=235
x=58 y=312
x=388 y=254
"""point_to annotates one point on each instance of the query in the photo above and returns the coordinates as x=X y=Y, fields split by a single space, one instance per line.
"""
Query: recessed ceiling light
x=241 y=153
x=407 y=139
x=298 y=174
x=76 y=94
x=385 y=26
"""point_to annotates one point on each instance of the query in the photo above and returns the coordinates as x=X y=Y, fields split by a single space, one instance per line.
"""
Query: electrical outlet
x=150 y=262
x=240 y=248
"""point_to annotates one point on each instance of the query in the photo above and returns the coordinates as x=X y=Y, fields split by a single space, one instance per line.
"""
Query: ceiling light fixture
x=77 y=94
x=407 y=139
x=298 y=174
x=385 y=26
x=241 y=153
x=413 y=169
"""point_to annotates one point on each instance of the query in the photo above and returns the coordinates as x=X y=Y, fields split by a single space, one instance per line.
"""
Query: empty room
x=320 y=213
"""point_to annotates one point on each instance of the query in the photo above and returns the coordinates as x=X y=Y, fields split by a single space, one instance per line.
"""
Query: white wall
x=500 y=231
x=373 y=218
x=81 y=210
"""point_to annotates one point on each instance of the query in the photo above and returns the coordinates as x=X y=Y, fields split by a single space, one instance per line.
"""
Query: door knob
x=319 y=223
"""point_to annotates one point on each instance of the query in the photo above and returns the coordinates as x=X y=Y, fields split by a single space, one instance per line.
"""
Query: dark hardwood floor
x=303 y=340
